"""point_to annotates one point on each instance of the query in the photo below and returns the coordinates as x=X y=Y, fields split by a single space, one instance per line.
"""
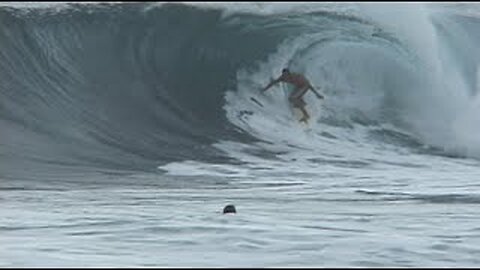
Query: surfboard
x=256 y=101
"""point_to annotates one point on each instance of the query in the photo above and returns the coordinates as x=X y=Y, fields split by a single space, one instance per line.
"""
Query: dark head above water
x=229 y=209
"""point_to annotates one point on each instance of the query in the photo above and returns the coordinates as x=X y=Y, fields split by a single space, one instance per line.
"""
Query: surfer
x=302 y=85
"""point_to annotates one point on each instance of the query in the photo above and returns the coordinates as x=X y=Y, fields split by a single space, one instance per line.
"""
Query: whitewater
x=125 y=128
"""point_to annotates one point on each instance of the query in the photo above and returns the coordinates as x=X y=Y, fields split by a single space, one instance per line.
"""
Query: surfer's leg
x=297 y=101
x=305 y=113
x=300 y=104
x=295 y=98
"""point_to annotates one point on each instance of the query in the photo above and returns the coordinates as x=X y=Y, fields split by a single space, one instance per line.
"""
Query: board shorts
x=296 y=97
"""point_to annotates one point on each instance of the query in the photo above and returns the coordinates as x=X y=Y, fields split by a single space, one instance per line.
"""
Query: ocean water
x=125 y=128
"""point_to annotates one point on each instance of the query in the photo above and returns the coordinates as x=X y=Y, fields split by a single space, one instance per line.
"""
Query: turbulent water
x=126 y=128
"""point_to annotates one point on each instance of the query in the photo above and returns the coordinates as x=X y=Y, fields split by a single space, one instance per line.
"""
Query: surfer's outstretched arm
x=316 y=93
x=272 y=83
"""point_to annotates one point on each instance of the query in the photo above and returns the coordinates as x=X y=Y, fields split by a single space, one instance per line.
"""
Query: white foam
x=229 y=8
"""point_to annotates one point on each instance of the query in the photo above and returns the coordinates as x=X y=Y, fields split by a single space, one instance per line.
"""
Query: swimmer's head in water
x=229 y=209
x=285 y=70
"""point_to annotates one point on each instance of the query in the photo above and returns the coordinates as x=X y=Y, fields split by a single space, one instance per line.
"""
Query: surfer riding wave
x=302 y=85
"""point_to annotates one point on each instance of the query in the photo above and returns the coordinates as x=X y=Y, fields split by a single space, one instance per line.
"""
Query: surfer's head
x=229 y=209
x=285 y=71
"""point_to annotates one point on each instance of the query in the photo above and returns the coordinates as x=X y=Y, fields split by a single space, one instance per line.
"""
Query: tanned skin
x=302 y=85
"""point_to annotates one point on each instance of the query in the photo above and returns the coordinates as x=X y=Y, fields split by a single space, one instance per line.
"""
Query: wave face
x=134 y=86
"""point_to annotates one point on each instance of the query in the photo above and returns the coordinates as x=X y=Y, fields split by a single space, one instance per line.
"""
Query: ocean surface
x=125 y=128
